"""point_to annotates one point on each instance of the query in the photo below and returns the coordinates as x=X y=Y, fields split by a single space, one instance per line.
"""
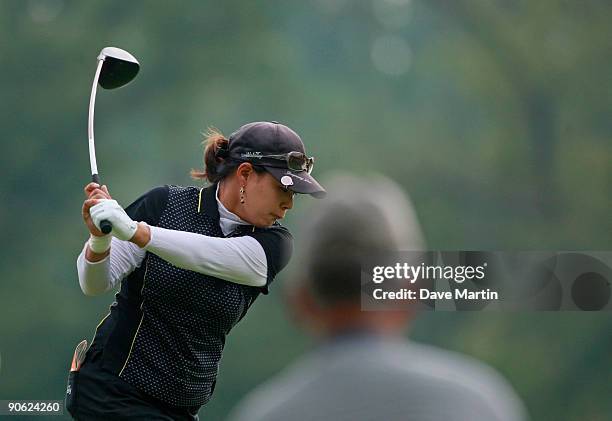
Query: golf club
x=116 y=68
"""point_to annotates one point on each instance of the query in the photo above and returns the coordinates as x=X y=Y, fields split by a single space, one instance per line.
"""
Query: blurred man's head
x=360 y=217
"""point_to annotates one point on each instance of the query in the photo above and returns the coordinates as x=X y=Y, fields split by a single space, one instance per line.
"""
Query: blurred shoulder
x=272 y=400
x=472 y=380
x=405 y=375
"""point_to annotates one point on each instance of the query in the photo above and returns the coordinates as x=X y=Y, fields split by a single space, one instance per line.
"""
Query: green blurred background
x=495 y=116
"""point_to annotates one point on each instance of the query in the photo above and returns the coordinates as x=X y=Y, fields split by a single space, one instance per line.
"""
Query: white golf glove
x=124 y=227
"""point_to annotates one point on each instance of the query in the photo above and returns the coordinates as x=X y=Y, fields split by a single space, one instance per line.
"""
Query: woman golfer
x=191 y=262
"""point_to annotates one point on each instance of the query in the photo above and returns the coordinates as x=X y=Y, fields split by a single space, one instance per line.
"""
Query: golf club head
x=118 y=69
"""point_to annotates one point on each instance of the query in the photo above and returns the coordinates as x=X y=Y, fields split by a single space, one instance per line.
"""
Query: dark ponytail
x=215 y=155
x=215 y=152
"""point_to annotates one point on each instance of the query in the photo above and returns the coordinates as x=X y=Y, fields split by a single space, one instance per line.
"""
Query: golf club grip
x=105 y=226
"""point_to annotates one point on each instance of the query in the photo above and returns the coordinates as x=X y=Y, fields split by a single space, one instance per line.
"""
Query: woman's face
x=266 y=200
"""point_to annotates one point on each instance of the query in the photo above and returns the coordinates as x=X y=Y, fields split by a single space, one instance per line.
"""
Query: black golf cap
x=254 y=141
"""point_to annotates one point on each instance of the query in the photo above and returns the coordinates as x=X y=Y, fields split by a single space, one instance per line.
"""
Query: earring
x=241 y=194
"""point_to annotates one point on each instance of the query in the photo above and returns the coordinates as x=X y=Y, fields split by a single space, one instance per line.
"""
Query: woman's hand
x=93 y=193
x=124 y=227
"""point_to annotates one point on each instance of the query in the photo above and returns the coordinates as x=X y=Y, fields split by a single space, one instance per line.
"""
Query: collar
x=225 y=213
x=208 y=201
x=208 y=204
x=228 y=221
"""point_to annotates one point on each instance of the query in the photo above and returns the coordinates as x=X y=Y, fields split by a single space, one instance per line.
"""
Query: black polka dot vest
x=185 y=316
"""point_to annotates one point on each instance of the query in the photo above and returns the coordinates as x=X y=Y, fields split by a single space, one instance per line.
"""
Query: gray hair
x=360 y=217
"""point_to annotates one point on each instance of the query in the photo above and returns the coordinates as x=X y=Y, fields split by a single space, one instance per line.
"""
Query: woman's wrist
x=99 y=244
x=142 y=236
x=98 y=248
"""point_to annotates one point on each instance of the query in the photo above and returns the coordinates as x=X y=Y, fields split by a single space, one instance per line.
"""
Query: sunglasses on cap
x=296 y=161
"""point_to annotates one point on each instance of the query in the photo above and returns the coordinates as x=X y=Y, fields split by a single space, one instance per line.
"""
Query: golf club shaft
x=105 y=226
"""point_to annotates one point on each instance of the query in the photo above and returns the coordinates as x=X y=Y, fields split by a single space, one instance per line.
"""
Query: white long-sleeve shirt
x=241 y=259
